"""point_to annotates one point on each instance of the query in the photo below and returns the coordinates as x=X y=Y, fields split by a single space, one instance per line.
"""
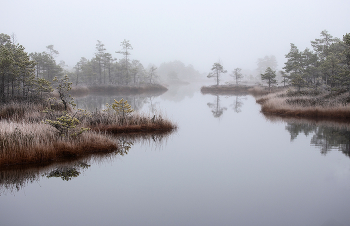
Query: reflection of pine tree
x=324 y=137
x=124 y=146
x=295 y=128
x=237 y=104
x=327 y=139
x=216 y=108
x=68 y=172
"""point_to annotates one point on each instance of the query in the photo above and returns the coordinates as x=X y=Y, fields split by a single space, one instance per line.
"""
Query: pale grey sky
x=194 y=32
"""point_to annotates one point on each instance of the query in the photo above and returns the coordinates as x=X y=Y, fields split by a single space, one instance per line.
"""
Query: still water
x=227 y=164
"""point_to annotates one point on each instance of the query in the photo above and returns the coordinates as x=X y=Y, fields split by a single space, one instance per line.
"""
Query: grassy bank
x=23 y=143
x=135 y=123
x=307 y=104
x=115 y=89
x=289 y=102
x=27 y=137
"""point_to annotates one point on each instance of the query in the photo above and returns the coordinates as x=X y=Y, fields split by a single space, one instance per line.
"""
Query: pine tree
x=269 y=76
x=217 y=69
x=237 y=75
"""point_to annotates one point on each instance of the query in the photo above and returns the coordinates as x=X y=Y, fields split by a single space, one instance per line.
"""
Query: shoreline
x=286 y=102
x=28 y=135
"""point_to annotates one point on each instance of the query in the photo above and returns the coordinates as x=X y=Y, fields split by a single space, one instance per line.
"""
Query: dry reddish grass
x=24 y=138
x=132 y=124
x=309 y=106
x=146 y=128
x=259 y=91
x=22 y=143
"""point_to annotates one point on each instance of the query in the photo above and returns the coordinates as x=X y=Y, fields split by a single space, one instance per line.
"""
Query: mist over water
x=226 y=165
x=197 y=32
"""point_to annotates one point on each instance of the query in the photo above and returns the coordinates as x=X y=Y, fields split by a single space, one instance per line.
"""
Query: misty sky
x=198 y=32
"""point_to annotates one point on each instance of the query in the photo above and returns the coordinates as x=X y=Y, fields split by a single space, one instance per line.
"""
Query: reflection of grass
x=25 y=138
x=15 y=177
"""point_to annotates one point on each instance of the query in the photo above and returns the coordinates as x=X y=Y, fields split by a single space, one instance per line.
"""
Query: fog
x=195 y=32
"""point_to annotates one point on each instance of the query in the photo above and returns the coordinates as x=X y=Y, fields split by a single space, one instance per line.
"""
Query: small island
x=39 y=123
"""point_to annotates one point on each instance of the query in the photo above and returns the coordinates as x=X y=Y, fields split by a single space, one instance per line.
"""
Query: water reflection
x=151 y=104
x=217 y=110
x=66 y=173
x=15 y=178
x=237 y=103
x=326 y=136
x=94 y=103
x=177 y=93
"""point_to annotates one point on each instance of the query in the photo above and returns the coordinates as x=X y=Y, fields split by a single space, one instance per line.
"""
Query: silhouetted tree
x=216 y=71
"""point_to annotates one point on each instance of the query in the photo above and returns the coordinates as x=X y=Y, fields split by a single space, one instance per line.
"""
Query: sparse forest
x=102 y=69
x=41 y=126
x=321 y=81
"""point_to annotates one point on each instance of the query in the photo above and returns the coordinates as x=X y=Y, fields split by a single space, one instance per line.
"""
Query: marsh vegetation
x=41 y=126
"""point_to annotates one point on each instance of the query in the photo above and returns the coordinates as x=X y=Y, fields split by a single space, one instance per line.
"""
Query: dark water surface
x=226 y=165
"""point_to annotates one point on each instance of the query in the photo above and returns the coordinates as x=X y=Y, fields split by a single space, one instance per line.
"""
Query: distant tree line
x=103 y=69
x=24 y=76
